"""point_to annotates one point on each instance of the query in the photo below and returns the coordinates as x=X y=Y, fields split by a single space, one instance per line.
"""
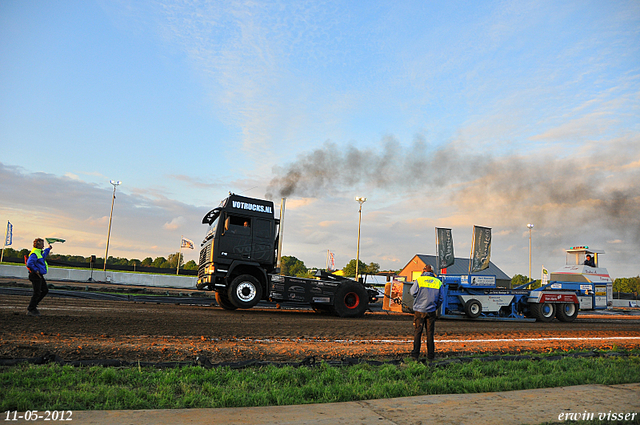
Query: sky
x=442 y=114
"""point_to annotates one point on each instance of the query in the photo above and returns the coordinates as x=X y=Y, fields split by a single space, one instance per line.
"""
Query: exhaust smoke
x=594 y=191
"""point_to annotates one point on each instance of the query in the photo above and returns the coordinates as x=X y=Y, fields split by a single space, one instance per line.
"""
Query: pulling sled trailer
x=478 y=297
x=238 y=259
x=581 y=285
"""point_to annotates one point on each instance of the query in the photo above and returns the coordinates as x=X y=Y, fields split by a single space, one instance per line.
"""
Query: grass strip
x=55 y=387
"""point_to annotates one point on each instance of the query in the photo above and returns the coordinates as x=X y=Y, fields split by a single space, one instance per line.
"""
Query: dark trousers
x=420 y=321
x=40 y=290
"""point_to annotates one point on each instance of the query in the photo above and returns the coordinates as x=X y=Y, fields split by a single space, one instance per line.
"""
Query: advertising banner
x=444 y=246
x=480 y=249
x=544 y=276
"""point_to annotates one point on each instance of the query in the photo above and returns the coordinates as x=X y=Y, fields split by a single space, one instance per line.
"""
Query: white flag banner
x=9 y=235
x=186 y=243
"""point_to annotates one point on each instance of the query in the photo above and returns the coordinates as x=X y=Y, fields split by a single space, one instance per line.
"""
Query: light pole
x=530 y=226
x=281 y=234
x=115 y=184
x=361 y=201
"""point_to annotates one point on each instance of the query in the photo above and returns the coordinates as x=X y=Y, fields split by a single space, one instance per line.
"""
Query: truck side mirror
x=226 y=225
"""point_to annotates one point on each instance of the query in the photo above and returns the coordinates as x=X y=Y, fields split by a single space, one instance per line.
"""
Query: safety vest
x=427 y=292
x=38 y=253
x=429 y=282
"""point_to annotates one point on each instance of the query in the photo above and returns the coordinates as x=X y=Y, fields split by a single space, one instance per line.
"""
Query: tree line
x=170 y=262
x=292 y=266
x=629 y=285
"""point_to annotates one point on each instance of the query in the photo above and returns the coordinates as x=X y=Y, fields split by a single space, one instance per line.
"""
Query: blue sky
x=443 y=114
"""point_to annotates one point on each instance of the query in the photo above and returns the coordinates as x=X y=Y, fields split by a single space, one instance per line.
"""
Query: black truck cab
x=238 y=261
x=239 y=251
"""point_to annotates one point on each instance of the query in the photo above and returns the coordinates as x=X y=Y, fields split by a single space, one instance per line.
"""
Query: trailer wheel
x=351 y=300
x=223 y=301
x=245 y=291
x=473 y=308
x=543 y=312
x=567 y=312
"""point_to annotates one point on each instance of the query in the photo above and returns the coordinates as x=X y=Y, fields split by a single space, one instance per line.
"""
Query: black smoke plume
x=600 y=189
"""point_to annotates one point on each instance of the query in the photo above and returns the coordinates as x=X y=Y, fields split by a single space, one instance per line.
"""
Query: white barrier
x=625 y=303
x=122 y=278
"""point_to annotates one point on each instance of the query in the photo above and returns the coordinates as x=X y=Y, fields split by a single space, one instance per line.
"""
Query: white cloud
x=175 y=223
x=41 y=204
x=521 y=116
x=578 y=129
x=566 y=198
x=71 y=176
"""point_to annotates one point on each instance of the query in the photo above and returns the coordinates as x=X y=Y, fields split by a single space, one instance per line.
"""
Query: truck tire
x=473 y=308
x=245 y=291
x=323 y=308
x=567 y=312
x=544 y=312
x=223 y=301
x=351 y=300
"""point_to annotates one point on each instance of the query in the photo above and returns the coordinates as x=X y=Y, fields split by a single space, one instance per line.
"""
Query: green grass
x=55 y=387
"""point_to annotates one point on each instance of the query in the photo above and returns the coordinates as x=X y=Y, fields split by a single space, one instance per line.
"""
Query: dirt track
x=87 y=329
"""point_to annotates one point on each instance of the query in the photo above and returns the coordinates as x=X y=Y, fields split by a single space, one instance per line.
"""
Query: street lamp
x=361 y=201
x=106 y=252
x=530 y=226
x=281 y=234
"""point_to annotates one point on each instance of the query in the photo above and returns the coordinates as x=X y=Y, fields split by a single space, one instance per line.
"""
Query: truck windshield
x=576 y=258
x=211 y=231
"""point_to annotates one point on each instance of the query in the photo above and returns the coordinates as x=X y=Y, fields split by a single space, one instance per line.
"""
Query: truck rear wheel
x=567 y=312
x=351 y=300
x=473 y=308
x=245 y=291
x=223 y=301
x=544 y=312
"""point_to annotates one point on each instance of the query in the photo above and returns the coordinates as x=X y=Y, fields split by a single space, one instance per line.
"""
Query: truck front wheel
x=223 y=301
x=245 y=291
x=544 y=312
x=567 y=312
x=351 y=300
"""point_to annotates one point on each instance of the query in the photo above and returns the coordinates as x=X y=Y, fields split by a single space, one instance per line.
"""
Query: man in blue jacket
x=428 y=297
x=38 y=267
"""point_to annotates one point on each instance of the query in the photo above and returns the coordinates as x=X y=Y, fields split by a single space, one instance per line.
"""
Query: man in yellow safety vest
x=428 y=297
x=38 y=267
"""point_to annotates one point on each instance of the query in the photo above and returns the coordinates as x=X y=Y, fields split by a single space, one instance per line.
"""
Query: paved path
x=515 y=407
